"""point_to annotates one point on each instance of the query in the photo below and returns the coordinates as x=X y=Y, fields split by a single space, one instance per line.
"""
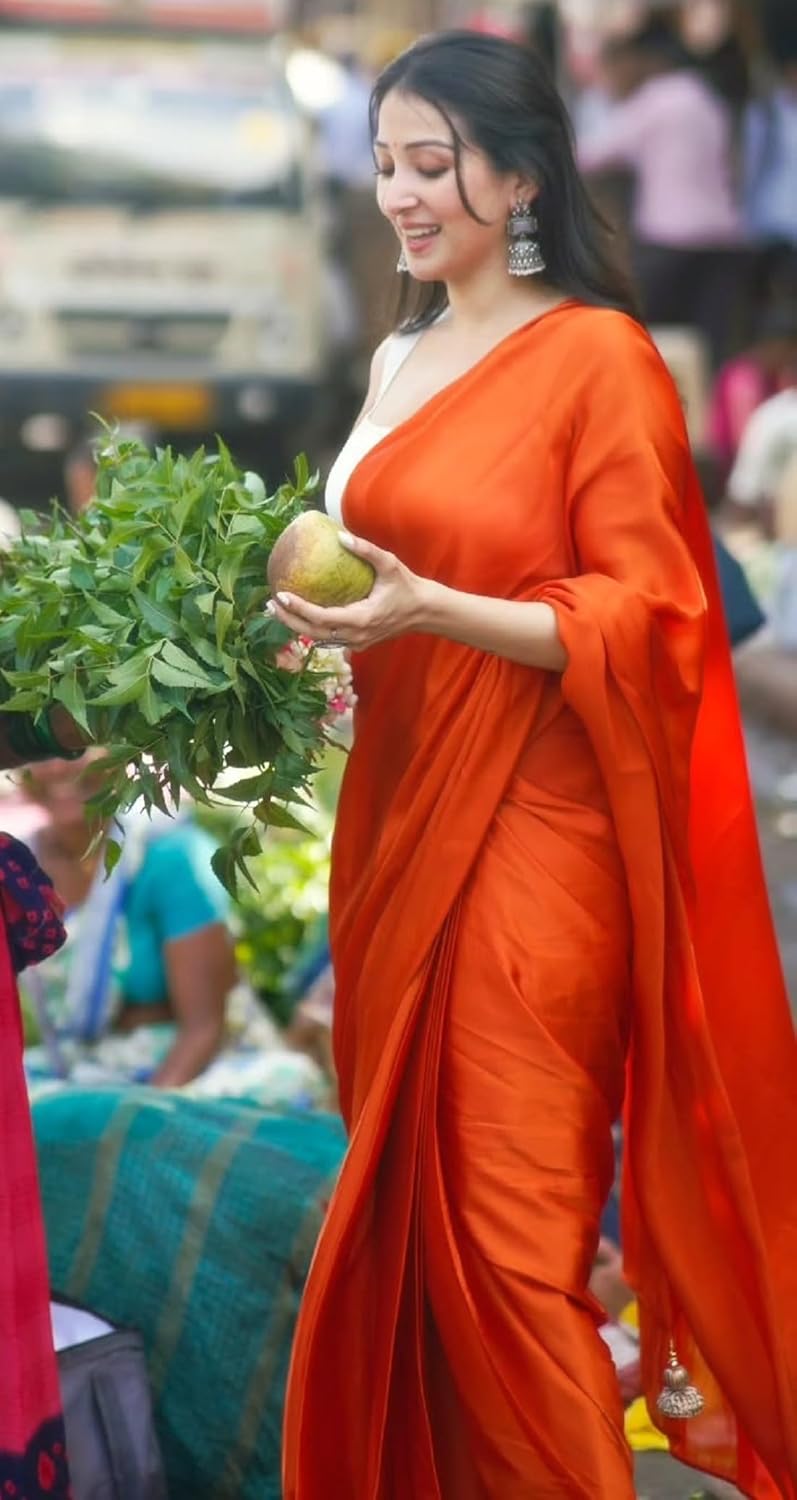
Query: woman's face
x=419 y=193
x=63 y=787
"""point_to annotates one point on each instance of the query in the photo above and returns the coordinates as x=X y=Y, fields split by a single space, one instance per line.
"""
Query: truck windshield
x=150 y=126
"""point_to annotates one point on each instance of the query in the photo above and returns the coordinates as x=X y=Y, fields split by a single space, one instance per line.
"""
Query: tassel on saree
x=678 y=1398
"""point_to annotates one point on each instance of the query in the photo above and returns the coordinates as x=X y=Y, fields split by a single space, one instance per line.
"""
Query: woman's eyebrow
x=410 y=145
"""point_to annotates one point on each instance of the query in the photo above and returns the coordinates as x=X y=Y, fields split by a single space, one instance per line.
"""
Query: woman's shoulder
x=180 y=847
x=176 y=876
x=605 y=326
x=611 y=362
x=605 y=343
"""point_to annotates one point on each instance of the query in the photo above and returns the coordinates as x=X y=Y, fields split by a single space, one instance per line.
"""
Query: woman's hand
x=68 y=734
x=394 y=605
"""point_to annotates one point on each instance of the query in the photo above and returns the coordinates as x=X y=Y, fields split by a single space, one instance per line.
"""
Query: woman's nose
x=398 y=196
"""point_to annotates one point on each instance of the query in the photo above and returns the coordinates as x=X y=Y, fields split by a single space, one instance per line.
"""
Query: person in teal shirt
x=146 y=988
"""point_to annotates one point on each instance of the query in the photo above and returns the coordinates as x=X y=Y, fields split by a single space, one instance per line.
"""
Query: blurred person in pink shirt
x=746 y=381
x=669 y=128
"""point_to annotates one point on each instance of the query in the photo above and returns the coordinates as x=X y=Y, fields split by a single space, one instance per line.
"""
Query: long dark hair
x=499 y=97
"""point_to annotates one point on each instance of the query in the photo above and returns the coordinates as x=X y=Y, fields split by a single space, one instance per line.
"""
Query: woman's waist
x=558 y=768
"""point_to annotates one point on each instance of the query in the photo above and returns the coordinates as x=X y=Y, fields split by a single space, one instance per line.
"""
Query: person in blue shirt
x=769 y=159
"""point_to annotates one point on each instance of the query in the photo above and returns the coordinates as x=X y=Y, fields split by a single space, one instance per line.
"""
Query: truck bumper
x=233 y=404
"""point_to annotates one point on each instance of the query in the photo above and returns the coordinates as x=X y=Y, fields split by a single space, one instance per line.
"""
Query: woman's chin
x=427 y=270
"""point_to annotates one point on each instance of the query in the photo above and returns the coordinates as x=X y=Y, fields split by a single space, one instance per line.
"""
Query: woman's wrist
x=433 y=607
x=67 y=733
x=43 y=737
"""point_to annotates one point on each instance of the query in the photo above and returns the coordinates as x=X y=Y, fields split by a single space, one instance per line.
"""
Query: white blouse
x=366 y=434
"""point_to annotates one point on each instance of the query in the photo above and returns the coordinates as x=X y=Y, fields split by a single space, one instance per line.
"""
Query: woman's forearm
x=193 y=1049
x=523 y=632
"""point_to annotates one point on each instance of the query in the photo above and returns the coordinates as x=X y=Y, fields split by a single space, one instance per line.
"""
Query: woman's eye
x=383 y=171
x=432 y=171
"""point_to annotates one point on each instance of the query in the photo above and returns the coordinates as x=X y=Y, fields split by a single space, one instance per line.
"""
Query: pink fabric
x=32 y=1457
x=675 y=135
x=739 y=389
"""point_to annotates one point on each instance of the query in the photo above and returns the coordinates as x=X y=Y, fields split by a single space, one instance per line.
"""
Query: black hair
x=498 y=96
x=653 y=41
x=779 y=27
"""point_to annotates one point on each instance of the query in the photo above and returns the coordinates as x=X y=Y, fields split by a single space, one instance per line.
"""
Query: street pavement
x=659 y=1477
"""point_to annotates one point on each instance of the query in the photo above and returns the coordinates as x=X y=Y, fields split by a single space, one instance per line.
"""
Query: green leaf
x=69 y=692
x=157 y=616
x=175 y=677
x=229 y=569
x=153 y=707
x=225 y=865
x=248 y=789
x=292 y=739
x=184 y=569
x=223 y=616
x=133 y=666
x=82 y=577
x=25 y=702
x=118 y=696
x=255 y=487
x=112 y=853
x=301 y=470
x=244 y=525
x=277 y=816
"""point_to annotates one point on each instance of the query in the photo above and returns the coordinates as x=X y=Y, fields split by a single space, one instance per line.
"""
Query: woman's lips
x=417 y=244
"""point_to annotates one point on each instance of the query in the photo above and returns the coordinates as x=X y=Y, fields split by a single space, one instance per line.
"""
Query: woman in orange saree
x=547 y=899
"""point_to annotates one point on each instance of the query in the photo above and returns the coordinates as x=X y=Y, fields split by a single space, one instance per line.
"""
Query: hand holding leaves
x=143 y=619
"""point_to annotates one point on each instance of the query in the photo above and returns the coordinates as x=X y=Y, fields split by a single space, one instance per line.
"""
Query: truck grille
x=182 y=335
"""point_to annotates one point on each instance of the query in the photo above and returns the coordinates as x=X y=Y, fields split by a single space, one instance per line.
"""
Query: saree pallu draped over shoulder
x=547 y=899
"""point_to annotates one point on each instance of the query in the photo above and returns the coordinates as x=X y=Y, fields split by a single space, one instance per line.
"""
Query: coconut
x=309 y=560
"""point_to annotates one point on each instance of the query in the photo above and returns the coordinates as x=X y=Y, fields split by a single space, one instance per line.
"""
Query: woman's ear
x=524 y=190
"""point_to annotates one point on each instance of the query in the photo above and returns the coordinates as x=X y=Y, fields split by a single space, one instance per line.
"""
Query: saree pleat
x=536 y=886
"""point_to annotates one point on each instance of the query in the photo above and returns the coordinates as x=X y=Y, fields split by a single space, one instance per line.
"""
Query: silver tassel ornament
x=678 y=1398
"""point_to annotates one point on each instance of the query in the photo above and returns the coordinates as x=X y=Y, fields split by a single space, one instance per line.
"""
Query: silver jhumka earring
x=401 y=264
x=523 y=256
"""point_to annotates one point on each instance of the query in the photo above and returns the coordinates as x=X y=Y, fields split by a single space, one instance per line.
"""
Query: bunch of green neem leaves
x=144 y=616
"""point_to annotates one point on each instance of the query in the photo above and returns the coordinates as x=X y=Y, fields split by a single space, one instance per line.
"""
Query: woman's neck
x=496 y=300
x=69 y=841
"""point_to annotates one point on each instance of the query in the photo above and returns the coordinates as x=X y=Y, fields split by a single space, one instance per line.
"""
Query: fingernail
x=284 y=600
x=270 y=607
x=346 y=538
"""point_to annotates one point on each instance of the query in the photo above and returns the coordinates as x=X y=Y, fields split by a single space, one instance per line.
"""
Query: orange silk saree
x=547 y=897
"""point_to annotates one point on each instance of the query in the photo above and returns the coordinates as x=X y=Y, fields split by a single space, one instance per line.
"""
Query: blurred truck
x=162 y=256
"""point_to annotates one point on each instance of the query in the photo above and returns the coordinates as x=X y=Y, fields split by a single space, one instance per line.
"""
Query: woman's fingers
x=304 y=618
x=380 y=560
